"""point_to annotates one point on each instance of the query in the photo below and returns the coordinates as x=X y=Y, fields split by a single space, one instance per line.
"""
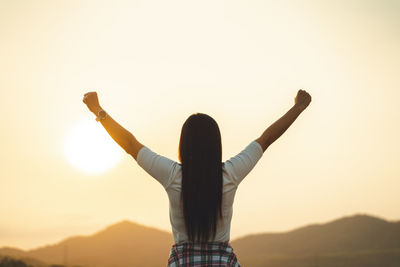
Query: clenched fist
x=302 y=99
x=91 y=101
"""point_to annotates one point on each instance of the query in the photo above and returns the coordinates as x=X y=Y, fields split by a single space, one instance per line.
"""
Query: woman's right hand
x=92 y=102
x=302 y=99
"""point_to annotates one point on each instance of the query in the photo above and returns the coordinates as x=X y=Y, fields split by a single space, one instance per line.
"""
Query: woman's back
x=169 y=174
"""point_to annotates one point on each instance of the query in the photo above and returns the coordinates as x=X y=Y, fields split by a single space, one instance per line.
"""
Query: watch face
x=102 y=113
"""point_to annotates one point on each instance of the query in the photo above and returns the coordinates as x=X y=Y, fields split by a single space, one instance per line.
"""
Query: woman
x=201 y=188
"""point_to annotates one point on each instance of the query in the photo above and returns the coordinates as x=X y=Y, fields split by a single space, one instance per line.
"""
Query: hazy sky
x=154 y=63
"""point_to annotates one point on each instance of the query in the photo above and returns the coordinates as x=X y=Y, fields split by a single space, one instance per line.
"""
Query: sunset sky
x=153 y=64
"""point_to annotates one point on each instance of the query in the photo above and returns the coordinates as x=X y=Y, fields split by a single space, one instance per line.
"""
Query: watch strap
x=101 y=115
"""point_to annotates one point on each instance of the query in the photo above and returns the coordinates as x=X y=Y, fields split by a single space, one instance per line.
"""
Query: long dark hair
x=200 y=152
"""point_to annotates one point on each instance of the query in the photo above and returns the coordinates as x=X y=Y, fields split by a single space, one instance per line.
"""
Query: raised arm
x=123 y=137
x=273 y=132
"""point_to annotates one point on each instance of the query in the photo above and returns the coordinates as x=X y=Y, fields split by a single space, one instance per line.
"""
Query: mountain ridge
x=128 y=243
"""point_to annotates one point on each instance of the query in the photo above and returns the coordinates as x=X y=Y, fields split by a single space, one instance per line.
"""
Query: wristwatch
x=101 y=115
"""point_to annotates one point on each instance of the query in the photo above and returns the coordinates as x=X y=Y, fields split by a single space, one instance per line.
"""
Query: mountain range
x=359 y=240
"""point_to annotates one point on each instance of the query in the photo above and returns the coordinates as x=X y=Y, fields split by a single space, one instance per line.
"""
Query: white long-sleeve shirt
x=169 y=174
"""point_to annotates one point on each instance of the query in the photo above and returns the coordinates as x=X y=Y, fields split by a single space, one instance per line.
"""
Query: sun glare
x=89 y=148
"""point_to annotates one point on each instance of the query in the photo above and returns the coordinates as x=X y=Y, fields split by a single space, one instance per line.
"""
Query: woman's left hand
x=92 y=102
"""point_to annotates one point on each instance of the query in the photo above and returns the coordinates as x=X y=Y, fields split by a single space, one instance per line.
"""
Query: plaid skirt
x=207 y=254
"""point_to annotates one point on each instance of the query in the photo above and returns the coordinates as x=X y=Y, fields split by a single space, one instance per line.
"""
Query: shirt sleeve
x=159 y=167
x=241 y=164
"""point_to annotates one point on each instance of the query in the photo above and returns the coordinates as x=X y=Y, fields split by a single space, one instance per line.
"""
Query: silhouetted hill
x=354 y=235
x=13 y=252
x=121 y=244
x=354 y=241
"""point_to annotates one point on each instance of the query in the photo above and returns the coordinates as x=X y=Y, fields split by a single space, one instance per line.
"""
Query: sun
x=89 y=148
